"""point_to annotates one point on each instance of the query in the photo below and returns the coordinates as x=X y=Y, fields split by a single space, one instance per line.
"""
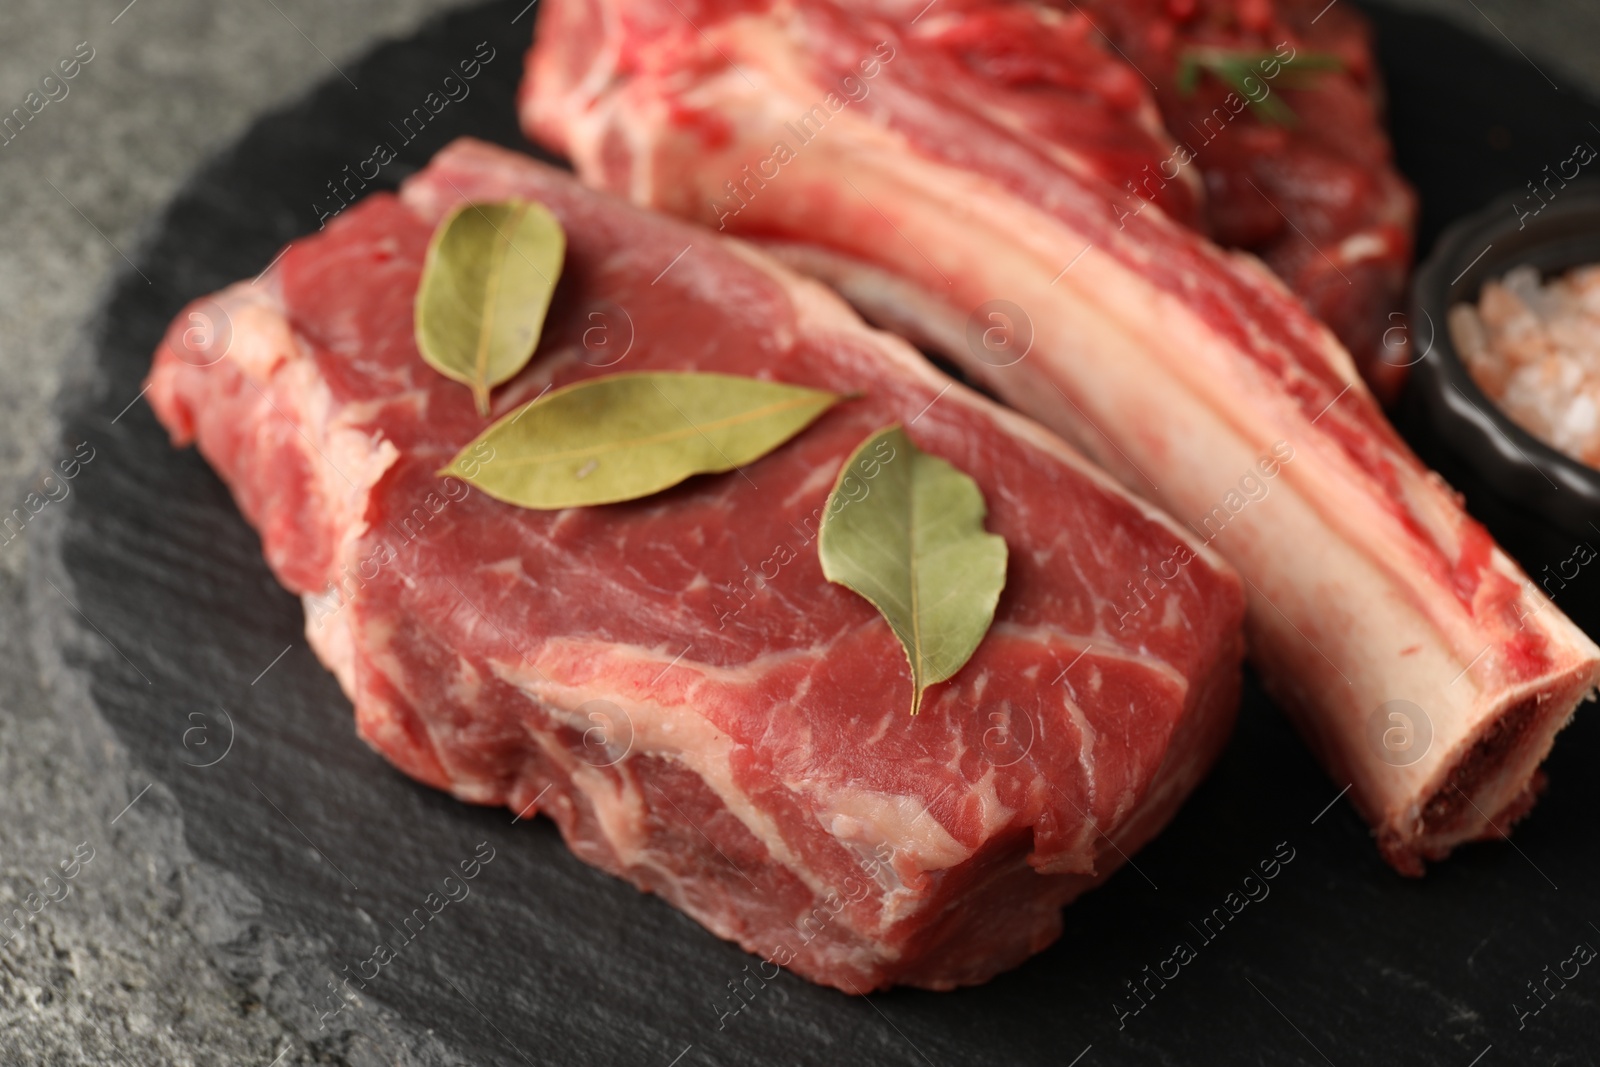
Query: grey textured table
x=115 y=971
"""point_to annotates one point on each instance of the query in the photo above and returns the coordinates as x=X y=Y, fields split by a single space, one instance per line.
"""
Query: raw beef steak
x=1425 y=669
x=672 y=680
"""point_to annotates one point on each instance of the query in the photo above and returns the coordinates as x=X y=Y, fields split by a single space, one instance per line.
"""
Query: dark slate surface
x=310 y=846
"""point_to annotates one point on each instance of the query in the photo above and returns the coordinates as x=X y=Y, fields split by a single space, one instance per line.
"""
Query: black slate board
x=308 y=846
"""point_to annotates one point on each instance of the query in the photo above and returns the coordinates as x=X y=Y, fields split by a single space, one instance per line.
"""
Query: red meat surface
x=672 y=680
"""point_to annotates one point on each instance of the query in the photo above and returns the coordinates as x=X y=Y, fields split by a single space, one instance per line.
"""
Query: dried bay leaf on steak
x=626 y=436
x=486 y=286
x=905 y=530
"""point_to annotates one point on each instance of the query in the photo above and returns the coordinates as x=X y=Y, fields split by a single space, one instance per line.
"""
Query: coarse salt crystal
x=1533 y=347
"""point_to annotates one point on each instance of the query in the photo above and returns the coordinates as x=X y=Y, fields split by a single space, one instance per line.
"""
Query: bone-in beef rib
x=1429 y=674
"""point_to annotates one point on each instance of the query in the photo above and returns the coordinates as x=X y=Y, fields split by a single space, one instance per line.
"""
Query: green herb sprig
x=1234 y=66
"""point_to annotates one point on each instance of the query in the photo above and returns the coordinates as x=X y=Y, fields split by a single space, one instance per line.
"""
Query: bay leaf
x=626 y=436
x=905 y=530
x=485 y=290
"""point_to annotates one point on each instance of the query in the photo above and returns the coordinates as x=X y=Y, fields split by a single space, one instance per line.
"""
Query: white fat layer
x=677 y=731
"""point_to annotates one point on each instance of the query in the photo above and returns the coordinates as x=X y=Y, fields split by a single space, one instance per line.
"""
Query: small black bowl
x=1447 y=403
